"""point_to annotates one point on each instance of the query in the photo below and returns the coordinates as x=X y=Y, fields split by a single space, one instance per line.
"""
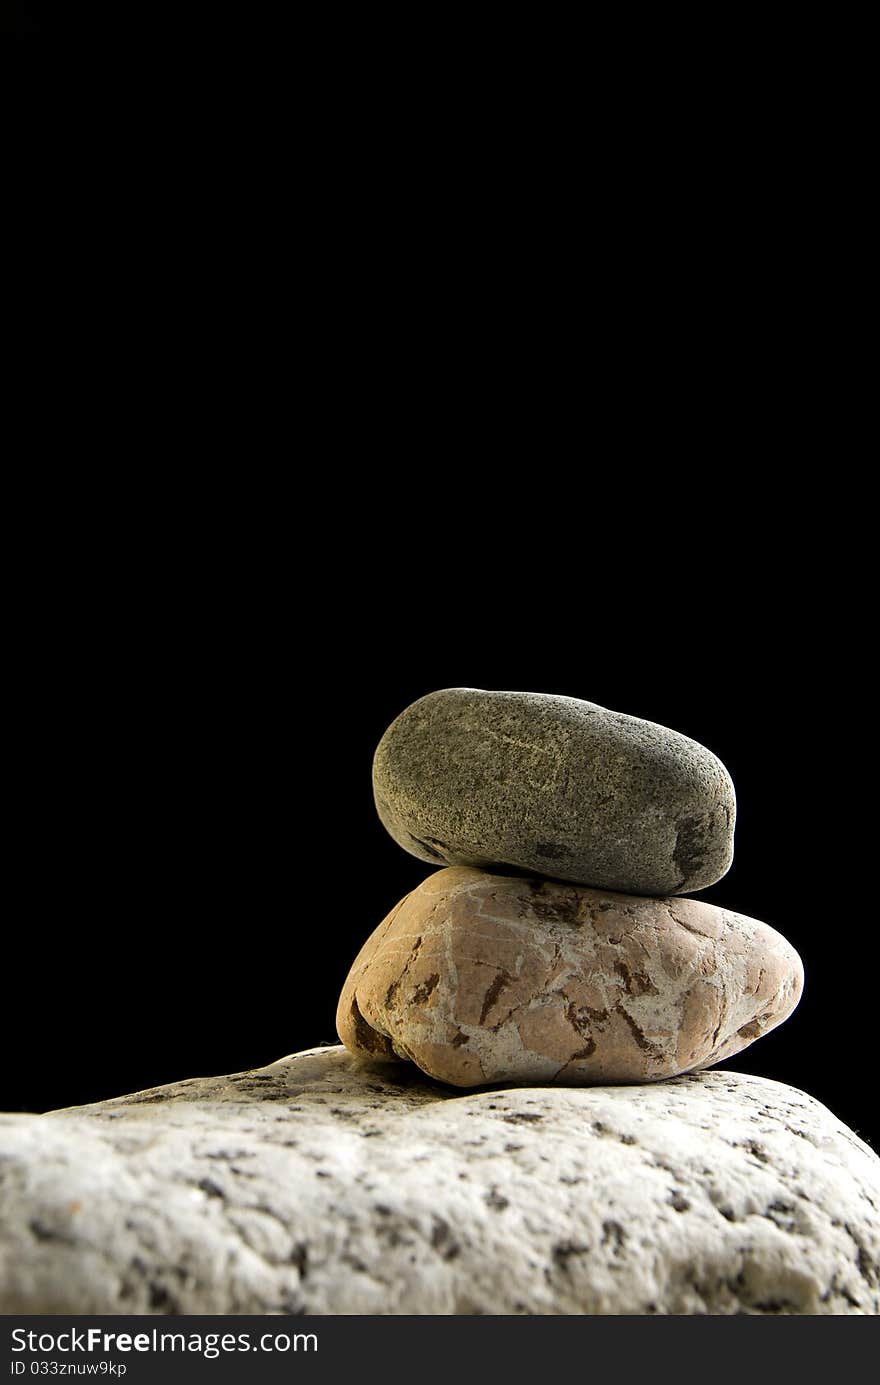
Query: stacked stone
x=324 y=1185
x=556 y=944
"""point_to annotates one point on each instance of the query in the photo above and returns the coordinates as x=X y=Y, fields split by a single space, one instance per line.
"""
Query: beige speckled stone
x=325 y=1185
x=487 y=978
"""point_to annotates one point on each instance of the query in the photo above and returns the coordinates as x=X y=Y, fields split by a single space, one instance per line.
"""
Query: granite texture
x=321 y=1185
x=557 y=787
x=488 y=978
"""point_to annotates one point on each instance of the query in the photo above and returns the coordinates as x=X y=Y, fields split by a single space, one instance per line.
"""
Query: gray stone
x=494 y=978
x=319 y=1185
x=557 y=787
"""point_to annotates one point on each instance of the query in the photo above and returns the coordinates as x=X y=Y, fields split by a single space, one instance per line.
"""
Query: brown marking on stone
x=563 y=909
x=639 y=1035
x=635 y=982
x=750 y=1031
x=688 y=927
x=396 y=984
x=501 y=979
x=368 y=1038
x=578 y=1019
x=426 y=989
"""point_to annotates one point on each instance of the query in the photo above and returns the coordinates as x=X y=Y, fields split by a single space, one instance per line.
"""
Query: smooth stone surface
x=491 y=978
x=555 y=786
x=319 y=1185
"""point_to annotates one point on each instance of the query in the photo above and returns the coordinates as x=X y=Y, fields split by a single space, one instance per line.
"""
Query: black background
x=298 y=449
x=39 y=17
x=72 y=19
x=196 y=845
